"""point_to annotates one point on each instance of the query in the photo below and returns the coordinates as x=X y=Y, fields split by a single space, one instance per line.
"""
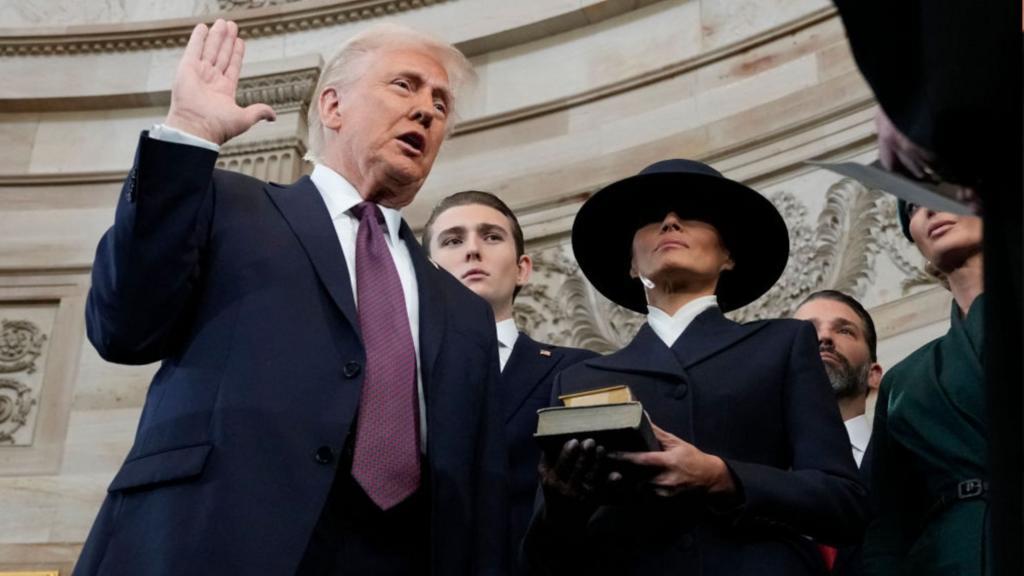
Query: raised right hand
x=203 y=93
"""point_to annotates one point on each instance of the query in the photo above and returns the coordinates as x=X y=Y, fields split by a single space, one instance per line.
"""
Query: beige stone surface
x=29 y=13
x=105 y=386
x=18 y=133
x=90 y=142
x=726 y=21
x=80 y=75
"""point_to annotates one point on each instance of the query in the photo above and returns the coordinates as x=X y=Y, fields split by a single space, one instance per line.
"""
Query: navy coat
x=526 y=387
x=757 y=396
x=850 y=559
x=240 y=289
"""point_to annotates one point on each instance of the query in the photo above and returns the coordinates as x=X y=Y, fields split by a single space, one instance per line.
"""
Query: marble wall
x=572 y=94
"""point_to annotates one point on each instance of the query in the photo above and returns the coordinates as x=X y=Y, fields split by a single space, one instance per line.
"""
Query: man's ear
x=525 y=266
x=329 y=105
x=874 y=377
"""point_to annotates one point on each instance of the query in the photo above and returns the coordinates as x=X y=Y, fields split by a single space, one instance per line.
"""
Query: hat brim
x=903 y=214
x=750 y=227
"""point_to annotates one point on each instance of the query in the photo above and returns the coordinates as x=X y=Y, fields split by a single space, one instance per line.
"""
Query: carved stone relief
x=272 y=160
x=839 y=250
x=228 y=5
x=279 y=159
x=21 y=345
x=16 y=402
x=285 y=92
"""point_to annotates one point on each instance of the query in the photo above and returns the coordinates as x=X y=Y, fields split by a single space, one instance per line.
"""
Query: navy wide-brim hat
x=904 y=211
x=750 y=227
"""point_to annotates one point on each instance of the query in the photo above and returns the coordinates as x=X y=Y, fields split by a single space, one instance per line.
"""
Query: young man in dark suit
x=476 y=237
x=327 y=400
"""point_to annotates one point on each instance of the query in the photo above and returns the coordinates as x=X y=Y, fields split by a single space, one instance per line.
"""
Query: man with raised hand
x=324 y=403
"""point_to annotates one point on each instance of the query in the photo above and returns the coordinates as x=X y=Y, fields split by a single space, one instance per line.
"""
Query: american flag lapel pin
x=545 y=352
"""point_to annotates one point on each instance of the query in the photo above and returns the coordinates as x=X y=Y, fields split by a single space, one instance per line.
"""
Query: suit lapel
x=645 y=354
x=709 y=333
x=432 y=306
x=525 y=370
x=307 y=216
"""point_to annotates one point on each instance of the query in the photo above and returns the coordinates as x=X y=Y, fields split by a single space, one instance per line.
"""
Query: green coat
x=929 y=435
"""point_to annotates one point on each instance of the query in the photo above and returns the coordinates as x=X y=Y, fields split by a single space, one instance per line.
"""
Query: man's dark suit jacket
x=757 y=396
x=240 y=288
x=526 y=387
x=850 y=559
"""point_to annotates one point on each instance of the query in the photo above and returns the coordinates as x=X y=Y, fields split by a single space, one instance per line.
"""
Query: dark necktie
x=386 y=462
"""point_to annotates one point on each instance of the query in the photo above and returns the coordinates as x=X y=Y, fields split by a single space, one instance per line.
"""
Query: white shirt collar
x=669 y=328
x=860 y=434
x=508 y=333
x=507 y=336
x=340 y=196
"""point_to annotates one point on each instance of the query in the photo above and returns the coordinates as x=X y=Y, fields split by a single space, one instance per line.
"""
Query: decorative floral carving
x=21 y=343
x=16 y=403
x=838 y=251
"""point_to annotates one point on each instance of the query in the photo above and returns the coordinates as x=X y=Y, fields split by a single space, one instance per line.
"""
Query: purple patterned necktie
x=386 y=462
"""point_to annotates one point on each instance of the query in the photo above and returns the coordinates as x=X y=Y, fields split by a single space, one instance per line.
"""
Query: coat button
x=680 y=390
x=323 y=455
x=352 y=369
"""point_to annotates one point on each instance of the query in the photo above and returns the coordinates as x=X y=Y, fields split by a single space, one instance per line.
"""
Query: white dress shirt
x=860 y=434
x=508 y=333
x=670 y=328
x=340 y=196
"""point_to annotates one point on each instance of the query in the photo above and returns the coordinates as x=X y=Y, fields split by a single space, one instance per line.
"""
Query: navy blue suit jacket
x=757 y=396
x=240 y=289
x=850 y=559
x=526 y=387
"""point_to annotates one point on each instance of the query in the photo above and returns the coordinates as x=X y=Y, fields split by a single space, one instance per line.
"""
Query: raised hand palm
x=203 y=93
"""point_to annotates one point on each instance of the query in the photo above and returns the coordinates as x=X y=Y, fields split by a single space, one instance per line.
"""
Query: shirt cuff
x=167 y=134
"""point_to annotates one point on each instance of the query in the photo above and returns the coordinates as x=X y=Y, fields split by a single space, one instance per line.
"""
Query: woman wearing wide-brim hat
x=929 y=475
x=755 y=461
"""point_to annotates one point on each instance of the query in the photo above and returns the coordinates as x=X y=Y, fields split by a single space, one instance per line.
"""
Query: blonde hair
x=349 y=64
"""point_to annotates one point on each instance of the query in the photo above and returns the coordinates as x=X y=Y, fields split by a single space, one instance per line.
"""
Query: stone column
x=274 y=151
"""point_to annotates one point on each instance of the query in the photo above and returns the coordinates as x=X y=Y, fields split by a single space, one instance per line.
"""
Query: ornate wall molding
x=285 y=92
x=21 y=343
x=41 y=331
x=16 y=402
x=230 y=5
x=278 y=160
x=265 y=21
